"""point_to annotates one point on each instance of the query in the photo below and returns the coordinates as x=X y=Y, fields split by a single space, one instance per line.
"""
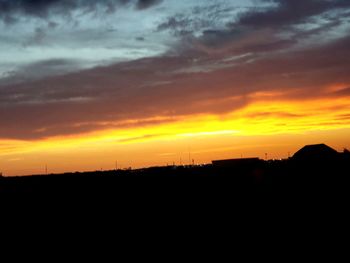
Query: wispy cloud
x=181 y=60
x=11 y=9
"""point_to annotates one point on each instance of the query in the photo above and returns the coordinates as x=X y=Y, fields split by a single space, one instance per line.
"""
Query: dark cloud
x=216 y=72
x=342 y=92
x=143 y=4
x=52 y=25
x=175 y=23
x=194 y=20
x=239 y=42
x=147 y=88
x=261 y=30
x=37 y=38
x=39 y=70
x=181 y=25
x=256 y=30
x=289 y=12
x=38 y=8
x=11 y=9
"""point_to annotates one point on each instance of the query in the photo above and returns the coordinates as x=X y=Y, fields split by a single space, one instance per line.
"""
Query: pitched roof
x=315 y=151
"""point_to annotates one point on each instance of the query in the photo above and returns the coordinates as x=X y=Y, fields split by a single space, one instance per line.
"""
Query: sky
x=85 y=84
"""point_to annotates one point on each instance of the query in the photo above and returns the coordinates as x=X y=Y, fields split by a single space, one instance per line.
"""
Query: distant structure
x=316 y=152
x=346 y=154
x=236 y=162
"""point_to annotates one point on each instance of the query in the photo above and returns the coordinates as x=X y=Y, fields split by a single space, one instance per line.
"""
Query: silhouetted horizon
x=312 y=166
x=312 y=152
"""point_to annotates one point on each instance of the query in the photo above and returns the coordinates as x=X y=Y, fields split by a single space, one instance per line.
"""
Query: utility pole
x=116 y=165
x=265 y=156
x=46 y=169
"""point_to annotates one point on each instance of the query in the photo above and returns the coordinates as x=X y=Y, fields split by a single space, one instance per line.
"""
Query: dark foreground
x=210 y=180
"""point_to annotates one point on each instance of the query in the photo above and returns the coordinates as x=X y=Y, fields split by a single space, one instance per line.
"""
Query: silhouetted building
x=346 y=155
x=317 y=152
x=243 y=162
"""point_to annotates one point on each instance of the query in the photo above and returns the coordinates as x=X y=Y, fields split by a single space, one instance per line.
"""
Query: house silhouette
x=316 y=152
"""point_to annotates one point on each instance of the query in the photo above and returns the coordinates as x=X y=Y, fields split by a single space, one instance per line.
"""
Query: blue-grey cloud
x=215 y=59
x=142 y=89
x=43 y=69
x=143 y=4
x=289 y=12
x=10 y=9
x=278 y=26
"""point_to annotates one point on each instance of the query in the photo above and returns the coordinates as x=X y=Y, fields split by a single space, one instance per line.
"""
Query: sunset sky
x=86 y=83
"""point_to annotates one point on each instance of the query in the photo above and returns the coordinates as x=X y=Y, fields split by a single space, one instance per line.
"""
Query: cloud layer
x=44 y=8
x=290 y=12
x=198 y=59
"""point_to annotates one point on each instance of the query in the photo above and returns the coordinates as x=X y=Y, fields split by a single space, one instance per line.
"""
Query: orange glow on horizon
x=281 y=126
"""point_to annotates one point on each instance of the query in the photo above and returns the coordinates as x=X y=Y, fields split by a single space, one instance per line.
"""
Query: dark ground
x=261 y=177
x=168 y=203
